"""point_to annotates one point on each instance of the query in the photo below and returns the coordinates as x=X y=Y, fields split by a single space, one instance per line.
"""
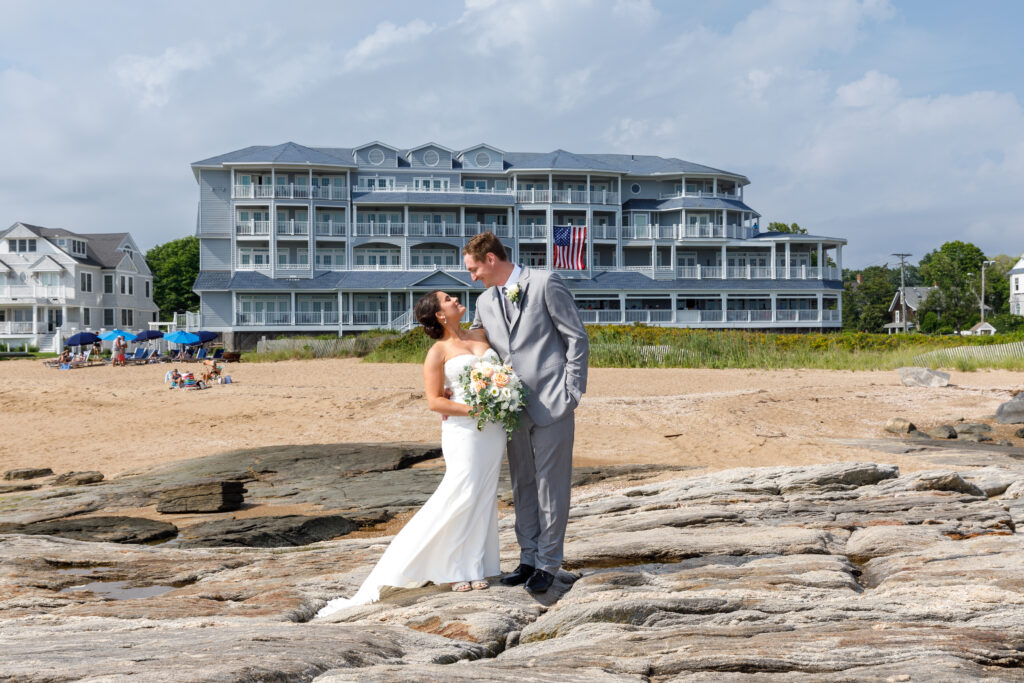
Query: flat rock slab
x=27 y=473
x=219 y=496
x=899 y=425
x=845 y=571
x=78 y=478
x=14 y=488
x=266 y=532
x=100 y=529
x=923 y=377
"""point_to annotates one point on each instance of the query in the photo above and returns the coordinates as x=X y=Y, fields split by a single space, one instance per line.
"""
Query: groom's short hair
x=485 y=243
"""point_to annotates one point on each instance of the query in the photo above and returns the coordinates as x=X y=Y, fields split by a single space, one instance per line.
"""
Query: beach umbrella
x=181 y=337
x=146 y=335
x=81 y=339
x=205 y=336
x=114 y=334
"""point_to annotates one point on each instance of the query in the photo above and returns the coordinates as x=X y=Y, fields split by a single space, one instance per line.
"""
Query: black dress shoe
x=521 y=574
x=540 y=582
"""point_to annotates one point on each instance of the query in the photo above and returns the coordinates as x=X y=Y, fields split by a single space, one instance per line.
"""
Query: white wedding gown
x=454 y=536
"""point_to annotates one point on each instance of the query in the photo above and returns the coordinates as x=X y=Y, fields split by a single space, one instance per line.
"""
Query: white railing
x=14 y=327
x=807 y=315
x=253 y=192
x=330 y=229
x=566 y=197
x=293 y=227
x=292 y=266
x=605 y=232
x=785 y=316
x=252 y=227
x=378 y=266
x=705 y=195
x=648 y=316
x=661 y=316
x=428 y=229
x=335 y=192
x=451 y=189
x=532 y=232
x=737 y=272
x=316 y=317
x=264 y=318
x=380 y=230
x=374 y=318
x=831 y=315
x=331 y=267
x=37 y=291
x=437 y=266
x=252 y=266
x=711 y=272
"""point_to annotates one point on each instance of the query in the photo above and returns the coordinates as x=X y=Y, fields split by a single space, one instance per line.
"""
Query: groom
x=531 y=321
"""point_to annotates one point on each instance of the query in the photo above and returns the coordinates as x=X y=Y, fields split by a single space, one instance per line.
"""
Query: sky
x=894 y=124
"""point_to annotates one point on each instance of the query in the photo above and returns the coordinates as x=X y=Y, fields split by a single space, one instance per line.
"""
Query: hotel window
x=127 y=317
x=328 y=259
x=475 y=185
x=432 y=257
x=436 y=184
x=86 y=282
x=21 y=246
x=108 y=284
x=108 y=317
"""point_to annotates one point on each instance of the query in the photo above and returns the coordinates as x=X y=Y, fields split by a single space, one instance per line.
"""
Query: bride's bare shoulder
x=437 y=352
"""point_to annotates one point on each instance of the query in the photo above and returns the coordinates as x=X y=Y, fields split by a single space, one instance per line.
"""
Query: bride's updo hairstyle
x=426 y=311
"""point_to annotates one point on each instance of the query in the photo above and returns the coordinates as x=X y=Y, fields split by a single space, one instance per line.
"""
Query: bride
x=454 y=536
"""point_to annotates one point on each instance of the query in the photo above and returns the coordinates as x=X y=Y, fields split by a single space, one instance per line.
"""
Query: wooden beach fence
x=951 y=356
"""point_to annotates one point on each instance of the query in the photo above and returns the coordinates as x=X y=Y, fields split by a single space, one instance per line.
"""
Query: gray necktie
x=506 y=304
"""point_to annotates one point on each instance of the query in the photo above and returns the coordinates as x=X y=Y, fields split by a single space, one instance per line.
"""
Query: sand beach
x=118 y=420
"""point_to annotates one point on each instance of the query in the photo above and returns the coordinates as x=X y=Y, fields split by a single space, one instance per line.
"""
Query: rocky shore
x=845 y=571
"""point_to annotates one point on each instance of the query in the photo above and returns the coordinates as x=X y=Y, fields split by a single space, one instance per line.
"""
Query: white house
x=55 y=282
x=1016 y=276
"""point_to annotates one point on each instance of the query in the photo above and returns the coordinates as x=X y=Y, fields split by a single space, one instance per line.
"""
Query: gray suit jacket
x=546 y=343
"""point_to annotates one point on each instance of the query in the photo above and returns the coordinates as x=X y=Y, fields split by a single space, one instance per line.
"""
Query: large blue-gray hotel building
x=317 y=240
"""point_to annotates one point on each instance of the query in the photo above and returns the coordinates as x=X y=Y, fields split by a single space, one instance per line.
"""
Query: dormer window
x=21 y=246
x=78 y=247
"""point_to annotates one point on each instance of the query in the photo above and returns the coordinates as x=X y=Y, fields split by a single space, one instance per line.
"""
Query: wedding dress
x=454 y=536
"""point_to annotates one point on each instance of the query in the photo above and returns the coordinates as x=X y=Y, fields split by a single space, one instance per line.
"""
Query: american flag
x=570 y=246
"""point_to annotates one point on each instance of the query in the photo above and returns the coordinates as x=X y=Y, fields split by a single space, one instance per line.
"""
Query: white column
x=35 y=319
x=775 y=305
x=588 y=196
x=81 y=317
x=674 y=297
x=725 y=306
x=341 y=312
x=590 y=230
x=64 y=316
x=724 y=222
x=405 y=218
x=548 y=244
x=462 y=220
x=772 y=264
x=725 y=266
x=349 y=248
x=348 y=185
x=273 y=223
x=839 y=260
x=390 y=316
x=232 y=182
x=819 y=306
x=821 y=263
x=551 y=186
x=839 y=307
x=788 y=264
x=714 y=185
x=622 y=307
x=293 y=307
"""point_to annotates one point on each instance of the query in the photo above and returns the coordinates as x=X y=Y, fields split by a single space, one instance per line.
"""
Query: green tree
x=782 y=227
x=175 y=266
x=955 y=268
x=866 y=303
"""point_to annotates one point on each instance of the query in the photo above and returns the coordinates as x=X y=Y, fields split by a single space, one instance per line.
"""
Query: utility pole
x=983 y=264
x=903 y=293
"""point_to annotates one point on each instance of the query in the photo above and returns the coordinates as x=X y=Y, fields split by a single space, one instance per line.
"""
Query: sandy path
x=119 y=419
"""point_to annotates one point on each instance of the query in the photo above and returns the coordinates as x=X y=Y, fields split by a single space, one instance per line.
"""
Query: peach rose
x=500 y=380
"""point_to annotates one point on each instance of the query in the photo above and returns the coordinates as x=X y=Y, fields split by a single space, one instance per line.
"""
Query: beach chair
x=141 y=356
x=188 y=355
x=201 y=355
x=218 y=354
x=84 y=362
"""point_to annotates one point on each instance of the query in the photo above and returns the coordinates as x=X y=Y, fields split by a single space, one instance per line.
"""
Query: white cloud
x=874 y=89
x=152 y=77
x=381 y=46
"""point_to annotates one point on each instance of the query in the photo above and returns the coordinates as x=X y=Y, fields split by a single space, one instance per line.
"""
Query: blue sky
x=897 y=125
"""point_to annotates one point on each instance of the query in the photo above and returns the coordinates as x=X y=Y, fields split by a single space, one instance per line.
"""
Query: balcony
x=14 y=327
x=264 y=318
x=41 y=292
x=259 y=267
x=316 y=318
x=429 y=229
x=289 y=191
x=533 y=232
x=567 y=197
x=290 y=268
x=755 y=317
x=451 y=189
x=293 y=227
x=252 y=228
x=331 y=229
x=703 y=195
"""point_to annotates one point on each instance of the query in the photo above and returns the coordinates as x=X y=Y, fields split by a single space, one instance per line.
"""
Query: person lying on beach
x=65 y=356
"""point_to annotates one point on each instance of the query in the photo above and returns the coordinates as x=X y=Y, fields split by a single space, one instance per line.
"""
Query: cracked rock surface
x=841 y=572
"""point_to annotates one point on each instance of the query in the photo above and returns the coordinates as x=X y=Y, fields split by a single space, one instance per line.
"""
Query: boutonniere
x=513 y=293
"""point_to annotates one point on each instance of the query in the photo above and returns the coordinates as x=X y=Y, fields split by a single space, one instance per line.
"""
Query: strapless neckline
x=471 y=355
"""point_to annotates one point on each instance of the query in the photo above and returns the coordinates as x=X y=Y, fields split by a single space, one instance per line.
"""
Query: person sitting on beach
x=212 y=371
x=65 y=356
x=175 y=378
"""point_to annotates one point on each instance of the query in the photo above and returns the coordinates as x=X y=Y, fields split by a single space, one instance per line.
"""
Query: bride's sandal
x=461 y=587
x=480 y=585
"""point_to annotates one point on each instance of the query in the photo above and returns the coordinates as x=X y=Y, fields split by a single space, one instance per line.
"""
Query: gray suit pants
x=540 y=462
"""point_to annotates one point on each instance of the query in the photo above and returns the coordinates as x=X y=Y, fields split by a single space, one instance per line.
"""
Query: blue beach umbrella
x=81 y=339
x=205 y=336
x=114 y=334
x=181 y=337
x=146 y=335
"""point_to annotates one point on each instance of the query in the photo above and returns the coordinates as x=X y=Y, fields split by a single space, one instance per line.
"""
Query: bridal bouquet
x=494 y=393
